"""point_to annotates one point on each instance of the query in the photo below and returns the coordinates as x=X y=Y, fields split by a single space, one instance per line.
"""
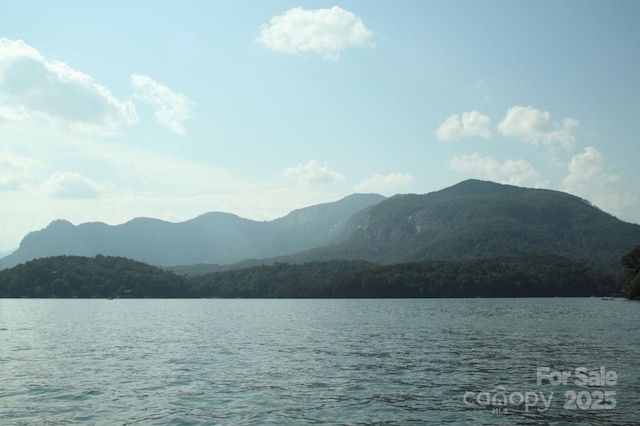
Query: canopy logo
x=500 y=401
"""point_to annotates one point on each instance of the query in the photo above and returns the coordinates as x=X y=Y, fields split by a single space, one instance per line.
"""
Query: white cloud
x=513 y=172
x=535 y=126
x=385 y=184
x=588 y=170
x=172 y=108
x=326 y=32
x=590 y=179
x=34 y=89
x=312 y=173
x=471 y=123
x=71 y=186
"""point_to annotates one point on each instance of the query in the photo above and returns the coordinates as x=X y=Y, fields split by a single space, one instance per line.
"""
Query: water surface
x=213 y=361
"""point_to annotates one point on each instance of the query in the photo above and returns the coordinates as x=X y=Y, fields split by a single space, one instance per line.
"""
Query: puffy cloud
x=326 y=32
x=33 y=88
x=313 y=173
x=589 y=178
x=513 y=172
x=588 y=170
x=172 y=108
x=385 y=184
x=535 y=126
x=470 y=124
x=71 y=186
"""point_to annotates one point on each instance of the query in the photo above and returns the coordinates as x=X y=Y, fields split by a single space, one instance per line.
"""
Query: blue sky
x=115 y=110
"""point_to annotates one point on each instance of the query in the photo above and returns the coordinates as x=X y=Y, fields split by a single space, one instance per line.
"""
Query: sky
x=116 y=110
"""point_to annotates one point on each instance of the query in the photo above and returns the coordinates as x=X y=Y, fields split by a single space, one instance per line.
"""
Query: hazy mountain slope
x=476 y=219
x=323 y=223
x=473 y=219
x=211 y=238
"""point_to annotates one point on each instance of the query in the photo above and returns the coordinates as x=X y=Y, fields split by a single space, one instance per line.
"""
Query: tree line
x=631 y=273
x=544 y=275
x=99 y=276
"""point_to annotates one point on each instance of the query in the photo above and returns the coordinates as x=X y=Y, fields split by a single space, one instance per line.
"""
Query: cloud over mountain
x=513 y=171
x=313 y=173
x=590 y=178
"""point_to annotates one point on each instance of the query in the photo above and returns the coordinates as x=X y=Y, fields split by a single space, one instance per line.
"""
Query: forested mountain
x=478 y=219
x=631 y=273
x=471 y=220
x=99 y=276
x=117 y=277
x=211 y=238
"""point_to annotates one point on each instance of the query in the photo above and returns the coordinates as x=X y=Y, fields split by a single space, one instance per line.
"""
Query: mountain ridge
x=480 y=219
x=213 y=237
x=472 y=219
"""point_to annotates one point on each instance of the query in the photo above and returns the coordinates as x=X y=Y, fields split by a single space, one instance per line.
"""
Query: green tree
x=631 y=273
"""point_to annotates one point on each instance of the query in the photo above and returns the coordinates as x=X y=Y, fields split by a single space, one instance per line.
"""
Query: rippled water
x=216 y=361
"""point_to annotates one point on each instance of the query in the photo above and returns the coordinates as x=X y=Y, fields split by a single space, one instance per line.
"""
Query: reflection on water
x=315 y=361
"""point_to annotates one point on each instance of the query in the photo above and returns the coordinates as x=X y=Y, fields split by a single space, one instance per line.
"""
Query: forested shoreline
x=543 y=275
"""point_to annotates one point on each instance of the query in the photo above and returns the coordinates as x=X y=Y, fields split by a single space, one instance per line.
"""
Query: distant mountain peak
x=214 y=237
x=60 y=223
x=476 y=186
x=472 y=219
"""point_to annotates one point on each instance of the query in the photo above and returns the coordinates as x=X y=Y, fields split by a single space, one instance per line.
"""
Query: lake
x=372 y=361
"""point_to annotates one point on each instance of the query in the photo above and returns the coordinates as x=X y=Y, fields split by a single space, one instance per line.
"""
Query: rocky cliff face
x=477 y=219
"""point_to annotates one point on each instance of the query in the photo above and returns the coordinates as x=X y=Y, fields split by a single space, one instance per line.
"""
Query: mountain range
x=212 y=238
x=473 y=219
x=479 y=219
